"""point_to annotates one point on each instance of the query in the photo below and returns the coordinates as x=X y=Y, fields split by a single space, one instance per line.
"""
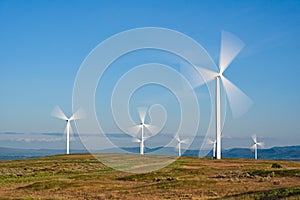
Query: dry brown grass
x=83 y=177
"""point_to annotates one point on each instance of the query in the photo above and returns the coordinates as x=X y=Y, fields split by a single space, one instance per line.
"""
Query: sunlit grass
x=84 y=177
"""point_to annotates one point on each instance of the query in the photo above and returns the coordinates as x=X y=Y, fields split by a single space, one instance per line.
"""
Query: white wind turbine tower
x=213 y=142
x=58 y=113
x=141 y=128
x=230 y=47
x=185 y=141
x=255 y=145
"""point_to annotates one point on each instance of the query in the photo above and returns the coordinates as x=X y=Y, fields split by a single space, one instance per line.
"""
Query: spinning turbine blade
x=177 y=138
x=230 y=47
x=146 y=137
x=192 y=74
x=151 y=128
x=57 y=112
x=136 y=140
x=261 y=144
x=185 y=141
x=239 y=102
x=65 y=131
x=253 y=147
x=142 y=114
x=254 y=138
x=206 y=76
x=135 y=129
x=209 y=141
x=79 y=114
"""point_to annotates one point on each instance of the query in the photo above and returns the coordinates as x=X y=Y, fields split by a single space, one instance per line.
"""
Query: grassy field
x=84 y=177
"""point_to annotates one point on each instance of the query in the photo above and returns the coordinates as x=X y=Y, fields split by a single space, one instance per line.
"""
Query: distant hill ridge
x=274 y=153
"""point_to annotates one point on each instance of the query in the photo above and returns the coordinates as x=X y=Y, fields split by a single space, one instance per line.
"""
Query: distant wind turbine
x=230 y=47
x=255 y=145
x=214 y=146
x=185 y=141
x=141 y=128
x=58 y=113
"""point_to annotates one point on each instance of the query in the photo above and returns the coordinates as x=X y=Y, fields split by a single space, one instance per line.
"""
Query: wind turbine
x=213 y=142
x=185 y=141
x=255 y=145
x=58 y=113
x=142 y=127
x=230 y=47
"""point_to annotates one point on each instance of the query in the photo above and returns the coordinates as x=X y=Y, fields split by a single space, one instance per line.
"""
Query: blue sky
x=43 y=43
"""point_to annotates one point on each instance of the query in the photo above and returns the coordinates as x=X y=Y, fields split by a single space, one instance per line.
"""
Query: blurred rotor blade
x=261 y=144
x=205 y=76
x=254 y=138
x=136 y=140
x=230 y=47
x=142 y=114
x=209 y=141
x=239 y=102
x=253 y=147
x=79 y=114
x=177 y=137
x=191 y=73
x=65 y=131
x=146 y=137
x=185 y=141
x=134 y=130
x=58 y=113
x=151 y=128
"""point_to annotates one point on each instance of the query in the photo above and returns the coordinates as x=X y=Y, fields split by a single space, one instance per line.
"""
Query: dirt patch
x=191 y=167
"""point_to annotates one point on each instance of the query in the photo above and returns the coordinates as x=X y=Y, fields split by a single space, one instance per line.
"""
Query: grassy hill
x=84 y=177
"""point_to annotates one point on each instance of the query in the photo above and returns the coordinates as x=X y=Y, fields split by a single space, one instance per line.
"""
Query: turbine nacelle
x=219 y=75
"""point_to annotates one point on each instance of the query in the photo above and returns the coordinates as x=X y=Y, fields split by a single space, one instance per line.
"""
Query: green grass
x=276 y=173
x=282 y=193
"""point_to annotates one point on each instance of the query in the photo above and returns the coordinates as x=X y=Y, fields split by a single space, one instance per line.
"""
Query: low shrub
x=276 y=165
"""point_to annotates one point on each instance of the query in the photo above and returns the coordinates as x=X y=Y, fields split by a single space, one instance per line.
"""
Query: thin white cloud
x=28 y=140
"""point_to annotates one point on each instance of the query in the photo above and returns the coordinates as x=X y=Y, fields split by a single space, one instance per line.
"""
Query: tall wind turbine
x=255 y=145
x=58 y=113
x=230 y=47
x=141 y=128
x=185 y=141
